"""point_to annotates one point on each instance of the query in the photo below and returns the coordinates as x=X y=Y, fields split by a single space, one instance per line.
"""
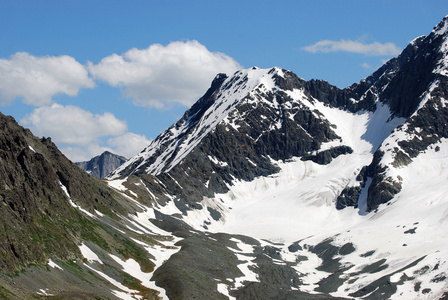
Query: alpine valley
x=269 y=187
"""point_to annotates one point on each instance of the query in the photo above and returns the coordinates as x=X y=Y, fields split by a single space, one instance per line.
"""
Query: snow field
x=298 y=203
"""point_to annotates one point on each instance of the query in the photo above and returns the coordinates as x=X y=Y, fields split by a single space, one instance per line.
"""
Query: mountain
x=64 y=233
x=355 y=176
x=269 y=187
x=262 y=115
x=100 y=166
x=67 y=235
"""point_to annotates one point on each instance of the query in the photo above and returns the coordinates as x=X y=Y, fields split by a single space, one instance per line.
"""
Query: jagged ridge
x=100 y=166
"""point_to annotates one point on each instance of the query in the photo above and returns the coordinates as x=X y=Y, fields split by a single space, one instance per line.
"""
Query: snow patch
x=246 y=256
x=125 y=293
x=54 y=265
x=44 y=292
x=88 y=254
x=73 y=203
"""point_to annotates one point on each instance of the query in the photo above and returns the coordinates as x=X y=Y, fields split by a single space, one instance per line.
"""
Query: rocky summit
x=269 y=187
x=100 y=166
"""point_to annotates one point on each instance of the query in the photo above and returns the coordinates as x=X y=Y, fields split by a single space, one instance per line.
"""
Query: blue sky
x=111 y=75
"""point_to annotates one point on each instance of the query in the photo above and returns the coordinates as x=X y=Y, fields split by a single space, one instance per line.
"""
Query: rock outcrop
x=100 y=166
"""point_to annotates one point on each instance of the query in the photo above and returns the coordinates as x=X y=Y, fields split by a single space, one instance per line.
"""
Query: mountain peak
x=295 y=189
x=100 y=166
x=442 y=27
x=224 y=94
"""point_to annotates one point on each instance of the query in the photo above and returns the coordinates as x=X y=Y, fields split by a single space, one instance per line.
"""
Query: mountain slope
x=69 y=236
x=100 y=166
x=53 y=214
x=417 y=90
x=266 y=154
x=237 y=111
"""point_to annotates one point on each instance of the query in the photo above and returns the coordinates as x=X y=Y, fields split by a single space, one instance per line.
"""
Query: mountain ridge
x=380 y=87
x=270 y=144
x=269 y=187
x=101 y=165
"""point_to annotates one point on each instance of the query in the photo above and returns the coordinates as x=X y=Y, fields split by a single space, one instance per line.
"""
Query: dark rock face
x=37 y=220
x=31 y=198
x=413 y=87
x=326 y=156
x=349 y=197
x=262 y=125
x=365 y=97
x=100 y=166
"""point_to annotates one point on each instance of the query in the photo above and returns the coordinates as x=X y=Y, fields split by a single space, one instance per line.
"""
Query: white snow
x=298 y=203
x=217 y=162
x=53 y=265
x=421 y=205
x=224 y=289
x=118 y=184
x=245 y=254
x=88 y=254
x=44 y=292
x=161 y=251
x=73 y=203
x=132 y=267
x=125 y=293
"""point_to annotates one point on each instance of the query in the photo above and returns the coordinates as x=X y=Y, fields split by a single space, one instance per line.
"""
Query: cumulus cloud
x=72 y=125
x=372 y=49
x=38 y=79
x=178 y=73
x=82 y=135
x=128 y=144
x=80 y=154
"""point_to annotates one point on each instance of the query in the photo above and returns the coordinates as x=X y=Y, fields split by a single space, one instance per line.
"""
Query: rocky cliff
x=414 y=86
x=50 y=211
x=100 y=166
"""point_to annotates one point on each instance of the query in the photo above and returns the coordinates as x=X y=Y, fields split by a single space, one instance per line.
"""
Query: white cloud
x=79 y=154
x=178 y=73
x=128 y=144
x=72 y=125
x=81 y=135
x=38 y=79
x=373 y=49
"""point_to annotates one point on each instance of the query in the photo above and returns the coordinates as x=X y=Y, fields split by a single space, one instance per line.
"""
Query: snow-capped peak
x=181 y=138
